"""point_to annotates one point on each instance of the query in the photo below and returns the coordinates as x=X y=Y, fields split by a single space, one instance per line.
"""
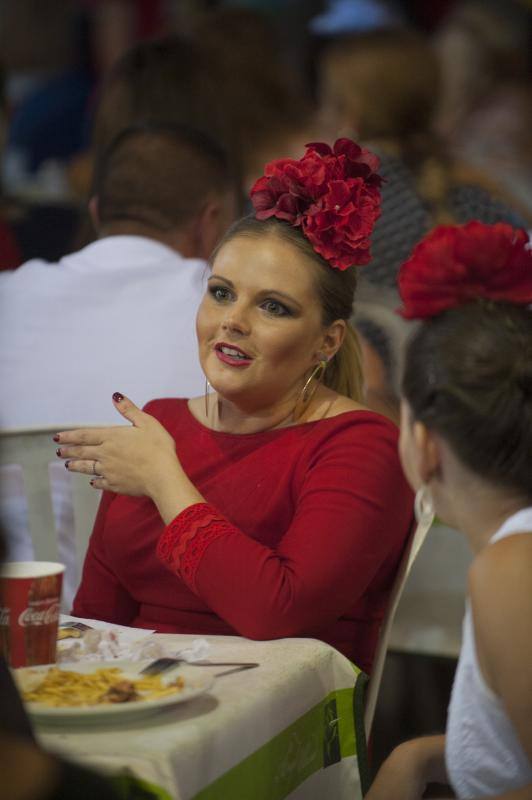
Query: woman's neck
x=222 y=414
x=227 y=416
x=481 y=512
x=468 y=502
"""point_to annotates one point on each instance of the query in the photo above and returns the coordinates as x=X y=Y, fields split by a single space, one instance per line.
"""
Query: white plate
x=196 y=683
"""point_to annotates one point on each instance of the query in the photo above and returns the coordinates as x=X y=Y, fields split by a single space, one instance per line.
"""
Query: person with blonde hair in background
x=383 y=86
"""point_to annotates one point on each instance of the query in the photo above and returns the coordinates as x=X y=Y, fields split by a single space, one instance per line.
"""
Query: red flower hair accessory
x=455 y=264
x=332 y=194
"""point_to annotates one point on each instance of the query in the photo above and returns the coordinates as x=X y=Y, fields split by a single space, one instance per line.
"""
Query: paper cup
x=30 y=596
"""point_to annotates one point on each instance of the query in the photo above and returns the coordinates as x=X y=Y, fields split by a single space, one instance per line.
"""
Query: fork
x=166 y=663
x=240 y=668
x=80 y=626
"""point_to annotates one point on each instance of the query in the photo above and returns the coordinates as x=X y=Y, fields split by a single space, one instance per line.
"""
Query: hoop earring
x=206 y=397
x=423 y=505
x=306 y=394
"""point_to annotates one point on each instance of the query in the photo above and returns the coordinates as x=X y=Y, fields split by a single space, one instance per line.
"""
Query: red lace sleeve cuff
x=185 y=539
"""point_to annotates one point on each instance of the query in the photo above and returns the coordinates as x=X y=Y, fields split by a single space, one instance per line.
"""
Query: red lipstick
x=232 y=355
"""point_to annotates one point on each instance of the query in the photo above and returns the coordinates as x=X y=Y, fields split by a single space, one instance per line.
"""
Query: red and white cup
x=30 y=597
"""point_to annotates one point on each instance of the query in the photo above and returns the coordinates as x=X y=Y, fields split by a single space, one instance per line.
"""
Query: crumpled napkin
x=108 y=645
x=108 y=642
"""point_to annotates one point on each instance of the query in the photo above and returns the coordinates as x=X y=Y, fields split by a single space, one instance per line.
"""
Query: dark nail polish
x=91 y=482
x=66 y=464
x=58 y=451
x=117 y=397
x=56 y=437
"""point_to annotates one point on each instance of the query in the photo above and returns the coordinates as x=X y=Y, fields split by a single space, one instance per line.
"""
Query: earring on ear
x=423 y=505
x=307 y=392
x=206 y=397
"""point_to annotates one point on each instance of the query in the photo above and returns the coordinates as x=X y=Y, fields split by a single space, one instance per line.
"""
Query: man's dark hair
x=170 y=80
x=159 y=175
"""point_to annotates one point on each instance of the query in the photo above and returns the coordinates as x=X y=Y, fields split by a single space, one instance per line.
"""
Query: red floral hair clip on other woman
x=332 y=194
x=455 y=264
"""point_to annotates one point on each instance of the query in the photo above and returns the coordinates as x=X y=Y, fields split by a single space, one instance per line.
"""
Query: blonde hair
x=385 y=83
x=344 y=373
x=335 y=289
x=385 y=87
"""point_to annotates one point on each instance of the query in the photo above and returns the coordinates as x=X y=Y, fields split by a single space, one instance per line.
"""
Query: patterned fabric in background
x=405 y=218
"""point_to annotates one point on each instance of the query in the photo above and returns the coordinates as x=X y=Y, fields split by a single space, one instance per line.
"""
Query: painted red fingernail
x=117 y=397
x=58 y=451
x=56 y=437
x=91 y=482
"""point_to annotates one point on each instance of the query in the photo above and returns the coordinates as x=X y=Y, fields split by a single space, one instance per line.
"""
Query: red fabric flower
x=455 y=264
x=331 y=193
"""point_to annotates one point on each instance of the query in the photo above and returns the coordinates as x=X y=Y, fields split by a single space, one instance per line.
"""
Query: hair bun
x=523 y=373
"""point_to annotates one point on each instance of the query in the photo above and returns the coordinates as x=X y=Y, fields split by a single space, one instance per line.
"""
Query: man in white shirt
x=120 y=313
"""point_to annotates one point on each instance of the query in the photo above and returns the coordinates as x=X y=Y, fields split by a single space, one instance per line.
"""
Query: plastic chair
x=429 y=618
x=416 y=540
x=33 y=450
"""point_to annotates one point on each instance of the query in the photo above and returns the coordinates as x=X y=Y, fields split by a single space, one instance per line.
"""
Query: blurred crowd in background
x=441 y=91
x=264 y=77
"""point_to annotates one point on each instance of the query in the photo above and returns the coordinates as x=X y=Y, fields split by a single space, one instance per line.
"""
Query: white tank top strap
x=520 y=522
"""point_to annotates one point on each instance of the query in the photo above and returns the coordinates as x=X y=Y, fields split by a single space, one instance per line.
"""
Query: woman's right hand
x=407 y=770
x=122 y=459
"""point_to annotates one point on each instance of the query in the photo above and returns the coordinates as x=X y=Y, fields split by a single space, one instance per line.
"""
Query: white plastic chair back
x=410 y=555
x=33 y=450
x=429 y=617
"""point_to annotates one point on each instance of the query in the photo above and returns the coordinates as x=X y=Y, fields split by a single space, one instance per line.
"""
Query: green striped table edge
x=322 y=736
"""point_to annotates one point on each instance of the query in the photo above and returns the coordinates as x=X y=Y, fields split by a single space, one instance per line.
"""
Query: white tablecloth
x=283 y=729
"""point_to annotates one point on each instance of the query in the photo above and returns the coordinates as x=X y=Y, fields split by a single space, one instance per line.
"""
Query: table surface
x=282 y=729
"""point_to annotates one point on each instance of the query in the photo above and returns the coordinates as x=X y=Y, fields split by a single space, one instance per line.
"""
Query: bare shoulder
x=500 y=578
x=500 y=590
x=503 y=563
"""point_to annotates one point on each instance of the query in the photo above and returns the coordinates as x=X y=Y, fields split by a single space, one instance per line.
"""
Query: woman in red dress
x=274 y=506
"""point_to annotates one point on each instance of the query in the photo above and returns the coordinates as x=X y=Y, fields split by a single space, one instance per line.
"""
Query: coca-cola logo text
x=4 y=616
x=34 y=616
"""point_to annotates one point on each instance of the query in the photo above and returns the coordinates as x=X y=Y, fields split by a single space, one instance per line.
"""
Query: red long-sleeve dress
x=300 y=535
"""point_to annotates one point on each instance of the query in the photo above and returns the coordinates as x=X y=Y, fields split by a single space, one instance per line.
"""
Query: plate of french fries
x=96 y=690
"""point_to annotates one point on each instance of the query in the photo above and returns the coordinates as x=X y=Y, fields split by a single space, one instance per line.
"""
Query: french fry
x=66 y=688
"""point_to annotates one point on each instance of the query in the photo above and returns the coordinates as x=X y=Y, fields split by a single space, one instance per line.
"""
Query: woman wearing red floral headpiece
x=466 y=445
x=275 y=505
